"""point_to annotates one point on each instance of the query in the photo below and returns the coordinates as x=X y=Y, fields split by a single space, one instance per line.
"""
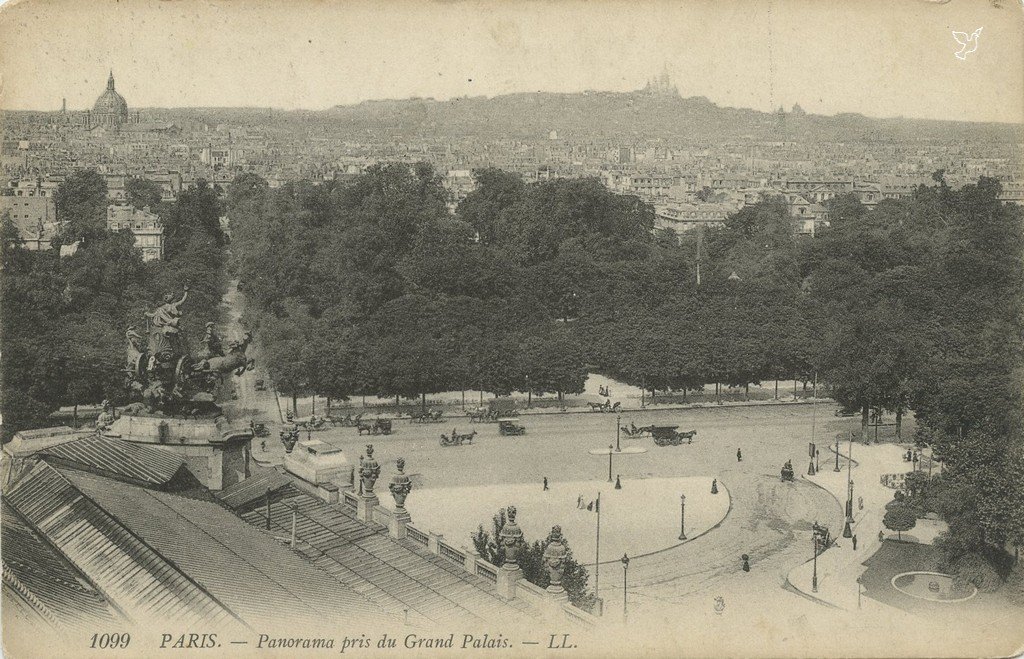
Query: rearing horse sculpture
x=235 y=360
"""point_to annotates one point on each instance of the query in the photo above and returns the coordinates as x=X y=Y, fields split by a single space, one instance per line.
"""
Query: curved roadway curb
x=789 y=584
x=688 y=540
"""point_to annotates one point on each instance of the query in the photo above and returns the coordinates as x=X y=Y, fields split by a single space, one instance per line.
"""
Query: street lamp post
x=610 y=450
x=618 y=431
x=849 y=480
x=837 y=455
x=682 y=517
x=625 y=572
x=814 y=577
x=858 y=591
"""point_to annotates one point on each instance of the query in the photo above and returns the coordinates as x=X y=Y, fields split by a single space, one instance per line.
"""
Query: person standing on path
x=739 y=455
x=854 y=542
x=545 y=483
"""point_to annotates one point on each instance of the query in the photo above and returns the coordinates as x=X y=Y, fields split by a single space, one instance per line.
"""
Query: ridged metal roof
x=253 y=488
x=132 y=576
x=46 y=581
x=119 y=459
x=247 y=570
x=396 y=574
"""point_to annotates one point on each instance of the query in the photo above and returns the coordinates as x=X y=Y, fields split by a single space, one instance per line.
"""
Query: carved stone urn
x=511 y=540
x=369 y=472
x=400 y=487
x=555 y=554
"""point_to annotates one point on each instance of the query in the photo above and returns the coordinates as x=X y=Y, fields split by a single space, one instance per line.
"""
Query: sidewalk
x=574 y=405
x=840 y=566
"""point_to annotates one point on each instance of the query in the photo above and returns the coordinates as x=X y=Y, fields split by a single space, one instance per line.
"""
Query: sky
x=879 y=58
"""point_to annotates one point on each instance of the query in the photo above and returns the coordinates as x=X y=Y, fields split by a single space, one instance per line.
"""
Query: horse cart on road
x=511 y=427
x=374 y=427
x=457 y=439
x=670 y=436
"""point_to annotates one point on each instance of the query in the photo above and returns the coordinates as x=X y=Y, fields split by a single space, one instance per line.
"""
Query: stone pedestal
x=507 y=580
x=434 y=542
x=215 y=450
x=471 y=557
x=365 y=506
x=396 y=526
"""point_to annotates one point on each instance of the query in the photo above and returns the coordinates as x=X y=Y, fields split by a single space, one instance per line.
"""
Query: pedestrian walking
x=860 y=503
x=854 y=542
x=545 y=483
x=881 y=537
x=579 y=502
x=618 y=483
x=263 y=446
x=739 y=455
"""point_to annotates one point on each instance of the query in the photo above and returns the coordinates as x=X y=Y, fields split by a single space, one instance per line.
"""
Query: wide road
x=769 y=520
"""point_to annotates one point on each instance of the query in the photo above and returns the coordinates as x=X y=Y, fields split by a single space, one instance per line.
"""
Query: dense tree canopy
x=63 y=320
x=910 y=305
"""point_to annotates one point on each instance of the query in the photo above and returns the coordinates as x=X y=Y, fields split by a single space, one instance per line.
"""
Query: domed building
x=110 y=109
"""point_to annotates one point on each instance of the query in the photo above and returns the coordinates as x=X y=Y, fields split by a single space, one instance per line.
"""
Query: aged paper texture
x=512 y=328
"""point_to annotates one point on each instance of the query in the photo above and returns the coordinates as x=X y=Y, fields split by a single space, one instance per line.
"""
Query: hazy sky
x=886 y=58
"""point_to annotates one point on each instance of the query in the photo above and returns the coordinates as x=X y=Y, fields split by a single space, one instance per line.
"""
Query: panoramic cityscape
x=581 y=368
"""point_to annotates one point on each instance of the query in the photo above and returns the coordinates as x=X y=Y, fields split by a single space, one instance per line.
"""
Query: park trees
x=81 y=205
x=63 y=319
x=899 y=517
x=142 y=193
x=196 y=213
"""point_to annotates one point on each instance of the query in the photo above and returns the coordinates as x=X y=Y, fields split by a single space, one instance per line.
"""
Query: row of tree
x=64 y=319
x=372 y=287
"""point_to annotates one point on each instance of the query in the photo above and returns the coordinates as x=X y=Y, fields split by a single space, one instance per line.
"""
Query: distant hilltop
x=655 y=111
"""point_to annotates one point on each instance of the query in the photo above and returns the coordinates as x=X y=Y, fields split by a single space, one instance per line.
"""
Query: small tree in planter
x=899 y=517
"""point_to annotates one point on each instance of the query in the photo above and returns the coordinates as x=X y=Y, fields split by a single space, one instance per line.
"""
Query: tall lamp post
x=618 y=431
x=837 y=455
x=848 y=528
x=682 y=517
x=625 y=572
x=611 y=449
x=858 y=591
x=814 y=577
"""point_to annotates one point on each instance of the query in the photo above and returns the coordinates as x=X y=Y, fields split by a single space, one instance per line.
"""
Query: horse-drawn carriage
x=606 y=406
x=314 y=422
x=259 y=429
x=457 y=439
x=787 y=472
x=375 y=427
x=429 y=416
x=670 y=436
x=347 y=421
x=632 y=430
x=511 y=427
x=487 y=415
